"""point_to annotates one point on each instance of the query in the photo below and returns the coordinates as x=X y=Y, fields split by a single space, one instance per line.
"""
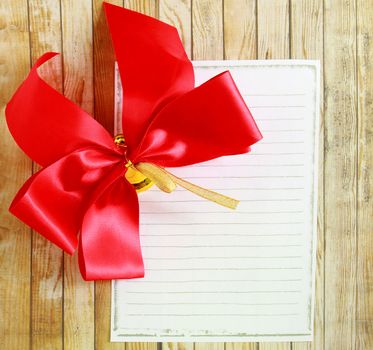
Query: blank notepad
x=213 y=274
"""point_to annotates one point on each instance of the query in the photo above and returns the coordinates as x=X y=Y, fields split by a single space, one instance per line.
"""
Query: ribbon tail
x=167 y=181
x=212 y=196
x=109 y=245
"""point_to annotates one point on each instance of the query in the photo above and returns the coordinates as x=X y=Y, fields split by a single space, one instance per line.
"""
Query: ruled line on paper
x=295 y=106
x=206 y=315
x=207 y=281
x=249 y=165
x=241 y=189
x=278 y=119
x=245 y=177
x=281 y=95
x=223 y=245
x=219 y=212
x=214 y=292
x=216 y=223
x=229 y=269
x=279 y=142
x=241 y=201
x=223 y=234
x=238 y=304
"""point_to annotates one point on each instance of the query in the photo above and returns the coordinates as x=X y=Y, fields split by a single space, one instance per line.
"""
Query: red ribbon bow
x=166 y=121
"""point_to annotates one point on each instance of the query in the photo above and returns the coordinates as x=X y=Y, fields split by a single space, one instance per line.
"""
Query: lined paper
x=213 y=274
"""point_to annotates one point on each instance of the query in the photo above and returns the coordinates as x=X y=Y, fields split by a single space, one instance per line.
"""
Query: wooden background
x=44 y=304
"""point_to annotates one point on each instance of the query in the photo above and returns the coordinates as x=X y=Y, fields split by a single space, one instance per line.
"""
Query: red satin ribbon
x=166 y=121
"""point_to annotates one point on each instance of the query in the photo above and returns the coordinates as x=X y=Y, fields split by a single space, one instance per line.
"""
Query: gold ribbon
x=143 y=175
x=167 y=182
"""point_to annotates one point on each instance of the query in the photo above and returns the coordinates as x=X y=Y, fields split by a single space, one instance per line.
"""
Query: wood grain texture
x=78 y=87
x=103 y=72
x=364 y=307
x=273 y=43
x=207 y=31
x=15 y=237
x=241 y=346
x=178 y=14
x=41 y=308
x=273 y=29
x=341 y=169
x=103 y=66
x=306 y=42
x=275 y=346
x=148 y=7
x=240 y=39
x=47 y=259
x=177 y=346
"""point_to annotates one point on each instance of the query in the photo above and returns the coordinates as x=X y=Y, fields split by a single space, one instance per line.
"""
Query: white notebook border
x=118 y=336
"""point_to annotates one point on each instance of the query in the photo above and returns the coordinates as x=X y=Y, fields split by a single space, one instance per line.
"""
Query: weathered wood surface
x=44 y=304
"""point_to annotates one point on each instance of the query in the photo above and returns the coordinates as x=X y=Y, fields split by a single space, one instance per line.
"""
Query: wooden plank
x=47 y=259
x=207 y=30
x=209 y=346
x=306 y=40
x=273 y=43
x=177 y=346
x=240 y=42
x=208 y=44
x=15 y=237
x=179 y=14
x=78 y=87
x=364 y=310
x=275 y=346
x=149 y=8
x=103 y=64
x=340 y=173
x=241 y=346
x=273 y=29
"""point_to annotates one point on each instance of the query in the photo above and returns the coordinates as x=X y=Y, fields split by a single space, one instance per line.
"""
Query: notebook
x=213 y=274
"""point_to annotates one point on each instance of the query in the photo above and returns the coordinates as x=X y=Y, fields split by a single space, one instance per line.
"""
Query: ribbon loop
x=53 y=200
x=208 y=122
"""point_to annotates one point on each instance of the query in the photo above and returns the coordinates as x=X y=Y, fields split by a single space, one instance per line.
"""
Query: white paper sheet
x=213 y=274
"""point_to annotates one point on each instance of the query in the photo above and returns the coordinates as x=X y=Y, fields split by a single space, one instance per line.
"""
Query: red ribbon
x=166 y=121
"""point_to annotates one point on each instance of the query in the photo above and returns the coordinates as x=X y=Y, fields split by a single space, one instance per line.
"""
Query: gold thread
x=132 y=175
x=212 y=196
x=142 y=184
x=161 y=179
x=166 y=182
